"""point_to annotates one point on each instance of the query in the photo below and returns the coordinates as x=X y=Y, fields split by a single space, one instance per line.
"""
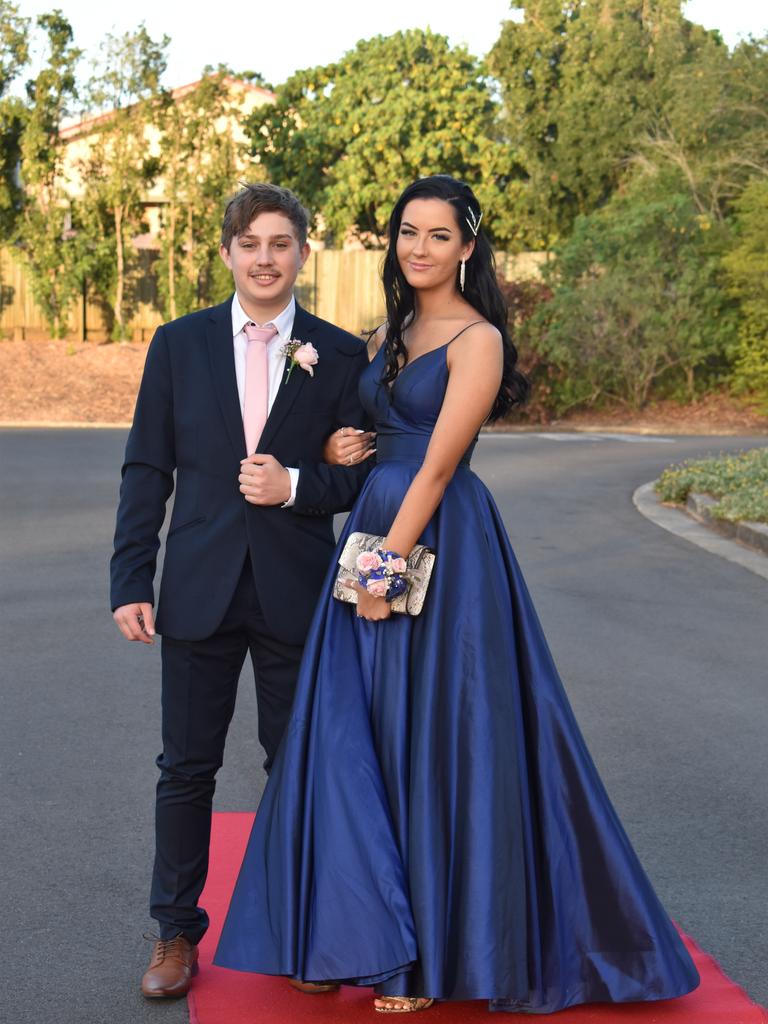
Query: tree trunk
x=191 y=249
x=690 y=382
x=54 y=306
x=120 y=272
x=84 y=310
x=172 y=262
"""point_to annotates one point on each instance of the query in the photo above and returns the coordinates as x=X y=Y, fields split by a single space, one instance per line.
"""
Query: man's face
x=265 y=261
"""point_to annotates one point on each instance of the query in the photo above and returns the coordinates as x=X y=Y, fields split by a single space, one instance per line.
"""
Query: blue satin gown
x=434 y=824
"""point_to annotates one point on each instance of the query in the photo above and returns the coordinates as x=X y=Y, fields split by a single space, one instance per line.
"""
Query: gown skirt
x=433 y=824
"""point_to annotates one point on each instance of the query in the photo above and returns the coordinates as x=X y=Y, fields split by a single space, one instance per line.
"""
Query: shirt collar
x=283 y=321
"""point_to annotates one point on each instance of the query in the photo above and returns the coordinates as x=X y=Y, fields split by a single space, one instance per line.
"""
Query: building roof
x=86 y=125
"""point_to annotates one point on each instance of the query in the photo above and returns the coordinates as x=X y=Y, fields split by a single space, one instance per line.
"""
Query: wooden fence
x=341 y=286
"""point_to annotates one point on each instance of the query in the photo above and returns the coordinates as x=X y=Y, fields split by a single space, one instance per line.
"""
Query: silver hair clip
x=474 y=223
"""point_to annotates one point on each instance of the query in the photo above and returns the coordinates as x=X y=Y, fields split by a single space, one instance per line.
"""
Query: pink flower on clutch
x=377 y=588
x=301 y=353
x=367 y=561
x=397 y=564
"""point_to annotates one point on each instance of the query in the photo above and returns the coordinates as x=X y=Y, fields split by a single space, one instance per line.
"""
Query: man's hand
x=264 y=481
x=136 y=622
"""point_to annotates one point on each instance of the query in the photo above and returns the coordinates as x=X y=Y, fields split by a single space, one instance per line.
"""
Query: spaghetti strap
x=438 y=348
x=473 y=324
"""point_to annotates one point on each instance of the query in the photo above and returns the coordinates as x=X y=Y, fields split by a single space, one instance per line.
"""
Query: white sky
x=278 y=38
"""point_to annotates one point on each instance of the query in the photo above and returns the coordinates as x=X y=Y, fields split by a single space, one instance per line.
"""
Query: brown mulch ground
x=68 y=381
x=65 y=382
x=713 y=414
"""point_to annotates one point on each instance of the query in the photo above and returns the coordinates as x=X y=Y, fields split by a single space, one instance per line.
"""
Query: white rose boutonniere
x=301 y=353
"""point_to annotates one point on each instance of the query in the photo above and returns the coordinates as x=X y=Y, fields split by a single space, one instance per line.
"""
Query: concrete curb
x=683 y=525
x=753 y=534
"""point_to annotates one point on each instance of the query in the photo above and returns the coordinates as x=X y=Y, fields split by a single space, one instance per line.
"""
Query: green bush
x=638 y=304
x=740 y=482
x=747 y=267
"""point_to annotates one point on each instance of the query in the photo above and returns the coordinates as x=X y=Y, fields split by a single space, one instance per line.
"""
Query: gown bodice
x=404 y=421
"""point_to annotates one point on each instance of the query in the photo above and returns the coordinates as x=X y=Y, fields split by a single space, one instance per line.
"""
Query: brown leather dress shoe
x=171 y=969
x=312 y=988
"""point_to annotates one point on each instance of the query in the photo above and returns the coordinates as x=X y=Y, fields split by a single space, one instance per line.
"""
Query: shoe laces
x=165 y=947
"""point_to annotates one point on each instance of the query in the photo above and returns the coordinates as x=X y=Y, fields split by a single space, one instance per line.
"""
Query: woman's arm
x=475 y=367
x=349 y=445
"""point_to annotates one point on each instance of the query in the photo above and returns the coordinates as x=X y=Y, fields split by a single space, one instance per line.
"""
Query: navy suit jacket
x=188 y=423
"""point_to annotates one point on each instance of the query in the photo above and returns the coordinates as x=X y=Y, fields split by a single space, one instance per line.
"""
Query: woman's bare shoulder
x=476 y=337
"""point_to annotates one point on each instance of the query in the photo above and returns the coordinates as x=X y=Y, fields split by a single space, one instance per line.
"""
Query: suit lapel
x=303 y=326
x=221 y=353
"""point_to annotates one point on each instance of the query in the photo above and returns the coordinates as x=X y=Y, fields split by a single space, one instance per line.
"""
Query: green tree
x=713 y=132
x=580 y=82
x=44 y=238
x=747 y=267
x=121 y=167
x=14 y=55
x=14 y=44
x=348 y=137
x=200 y=163
x=637 y=302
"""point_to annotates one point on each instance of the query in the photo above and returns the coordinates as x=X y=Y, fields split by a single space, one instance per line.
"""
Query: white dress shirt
x=275 y=362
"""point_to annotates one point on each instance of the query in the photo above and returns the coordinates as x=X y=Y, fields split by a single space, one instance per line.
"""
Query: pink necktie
x=256 y=383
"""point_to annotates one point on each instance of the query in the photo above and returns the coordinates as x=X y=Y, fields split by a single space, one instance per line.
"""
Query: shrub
x=747 y=268
x=523 y=298
x=637 y=303
x=740 y=481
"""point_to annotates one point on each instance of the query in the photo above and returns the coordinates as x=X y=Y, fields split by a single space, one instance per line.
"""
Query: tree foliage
x=637 y=301
x=200 y=160
x=43 y=235
x=120 y=167
x=14 y=55
x=713 y=130
x=580 y=82
x=349 y=136
x=14 y=44
x=747 y=267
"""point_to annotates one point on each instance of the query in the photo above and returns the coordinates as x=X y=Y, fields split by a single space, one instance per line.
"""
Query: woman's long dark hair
x=481 y=289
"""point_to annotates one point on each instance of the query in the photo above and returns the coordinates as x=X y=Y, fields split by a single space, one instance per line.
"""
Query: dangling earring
x=462 y=274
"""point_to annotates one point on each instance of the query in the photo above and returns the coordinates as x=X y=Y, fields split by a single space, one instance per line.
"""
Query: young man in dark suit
x=237 y=401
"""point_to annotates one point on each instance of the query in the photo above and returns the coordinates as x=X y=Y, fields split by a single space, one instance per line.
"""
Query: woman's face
x=429 y=244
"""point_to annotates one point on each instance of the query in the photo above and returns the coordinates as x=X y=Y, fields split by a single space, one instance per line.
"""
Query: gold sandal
x=412 y=1004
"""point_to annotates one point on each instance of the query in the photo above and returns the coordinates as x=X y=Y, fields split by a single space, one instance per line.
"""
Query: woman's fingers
x=353 y=443
x=350 y=447
x=374 y=609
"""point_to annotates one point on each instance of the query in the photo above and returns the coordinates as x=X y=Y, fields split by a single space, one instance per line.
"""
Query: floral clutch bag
x=420 y=563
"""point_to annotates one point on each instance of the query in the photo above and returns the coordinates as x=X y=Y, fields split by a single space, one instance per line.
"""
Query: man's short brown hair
x=261 y=197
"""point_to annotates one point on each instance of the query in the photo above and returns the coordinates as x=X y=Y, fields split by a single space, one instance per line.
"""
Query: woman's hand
x=372 y=608
x=348 y=446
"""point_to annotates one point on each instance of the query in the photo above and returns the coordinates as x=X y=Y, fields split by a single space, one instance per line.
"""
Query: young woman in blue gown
x=433 y=825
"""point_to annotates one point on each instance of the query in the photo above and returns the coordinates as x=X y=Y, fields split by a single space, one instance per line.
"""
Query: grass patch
x=739 y=481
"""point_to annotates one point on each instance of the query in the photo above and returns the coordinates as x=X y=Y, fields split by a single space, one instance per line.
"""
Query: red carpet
x=229 y=997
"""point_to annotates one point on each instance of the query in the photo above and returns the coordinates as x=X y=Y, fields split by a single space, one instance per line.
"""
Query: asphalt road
x=662 y=647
